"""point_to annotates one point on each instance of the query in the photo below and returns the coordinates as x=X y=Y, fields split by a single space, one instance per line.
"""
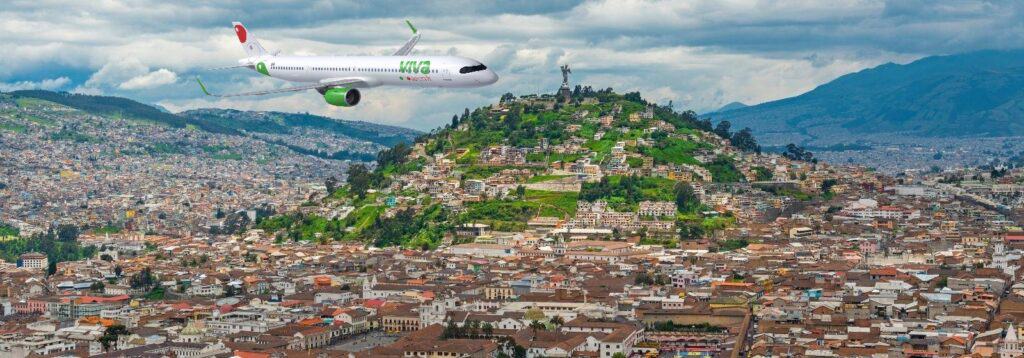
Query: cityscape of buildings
x=789 y=258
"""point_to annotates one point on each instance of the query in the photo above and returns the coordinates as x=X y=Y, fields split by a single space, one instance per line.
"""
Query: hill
x=731 y=106
x=335 y=139
x=532 y=158
x=119 y=107
x=967 y=95
x=285 y=123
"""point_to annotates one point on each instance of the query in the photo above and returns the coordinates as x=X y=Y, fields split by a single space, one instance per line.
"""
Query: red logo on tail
x=240 y=31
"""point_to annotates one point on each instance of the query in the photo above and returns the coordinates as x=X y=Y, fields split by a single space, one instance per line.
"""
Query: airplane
x=339 y=78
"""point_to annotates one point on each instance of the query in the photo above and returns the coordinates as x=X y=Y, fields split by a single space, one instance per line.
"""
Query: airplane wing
x=229 y=67
x=331 y=83
x=407 y=48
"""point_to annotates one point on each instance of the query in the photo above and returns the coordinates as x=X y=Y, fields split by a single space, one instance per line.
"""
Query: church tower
x=1010 y=347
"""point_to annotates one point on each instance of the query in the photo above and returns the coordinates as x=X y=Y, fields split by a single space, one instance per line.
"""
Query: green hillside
x=533 y=141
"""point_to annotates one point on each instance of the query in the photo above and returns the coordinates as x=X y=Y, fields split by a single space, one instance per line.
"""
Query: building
x=800 y=232
x=488 y=250
x=657 y=208
x=34 y=260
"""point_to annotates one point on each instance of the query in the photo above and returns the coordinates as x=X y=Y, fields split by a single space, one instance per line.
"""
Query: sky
x=700 y=54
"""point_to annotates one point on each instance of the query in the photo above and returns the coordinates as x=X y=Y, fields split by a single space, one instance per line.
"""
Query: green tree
x=332 y=184
x=537 y=325
x=358 y=180
x=744 y=140
x=557 y=320
x=686 y=198
x=689 y=232
x=66 y=232
x=110 y=335
x=722 y=129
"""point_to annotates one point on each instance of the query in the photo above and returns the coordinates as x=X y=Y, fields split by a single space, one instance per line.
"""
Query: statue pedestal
x=565 y=94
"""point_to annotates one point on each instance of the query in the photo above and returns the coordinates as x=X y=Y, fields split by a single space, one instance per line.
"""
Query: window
x=470 y=69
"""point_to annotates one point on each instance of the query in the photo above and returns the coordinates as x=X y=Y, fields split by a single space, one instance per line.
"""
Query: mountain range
x=977 y=94
x=288 y=129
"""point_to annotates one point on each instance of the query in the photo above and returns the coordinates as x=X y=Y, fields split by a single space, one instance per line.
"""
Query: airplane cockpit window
x=470 y=69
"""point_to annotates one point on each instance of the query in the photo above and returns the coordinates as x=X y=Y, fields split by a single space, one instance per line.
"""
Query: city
x=632 y=231
x=875 y=211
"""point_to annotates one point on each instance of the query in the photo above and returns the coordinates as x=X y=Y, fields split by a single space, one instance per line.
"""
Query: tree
x=537 y=325
x=557 y=320
x=394 y=155
x=688 y=232
x=106 y=257
x=722 y=129
x=521 y=192
x=451 y=330
x=230 y=291
x=744 y=140
x=795 y=152
x=518 y=352
x=488 y=330
x=827 y=184
x=686 y=198
x=118 y=270
x=66 y=232
x=97 y=286
x=111 y=334
x=142 y=279
x=358 y=179
x=534 y=314
x=51 y=268
x=332 y=184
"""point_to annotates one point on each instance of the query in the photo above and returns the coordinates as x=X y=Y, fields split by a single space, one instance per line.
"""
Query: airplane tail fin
x=251 y=46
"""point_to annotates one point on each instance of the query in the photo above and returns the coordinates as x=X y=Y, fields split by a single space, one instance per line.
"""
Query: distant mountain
x=966 y=95
x=285 y=123
x=121 y=107
x=226 y=121
x=732 y=106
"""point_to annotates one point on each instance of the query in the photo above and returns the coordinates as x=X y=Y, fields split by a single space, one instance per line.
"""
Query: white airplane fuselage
x=373 y=71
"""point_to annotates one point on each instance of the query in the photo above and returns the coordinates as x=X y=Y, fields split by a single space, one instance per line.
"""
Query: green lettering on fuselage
x=421 y=67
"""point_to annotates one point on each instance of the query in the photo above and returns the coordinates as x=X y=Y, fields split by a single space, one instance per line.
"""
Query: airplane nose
x=491 y=77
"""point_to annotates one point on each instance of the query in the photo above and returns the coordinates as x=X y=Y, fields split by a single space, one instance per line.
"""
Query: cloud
x=701 y=54
x=153 y=79
x=51 y=84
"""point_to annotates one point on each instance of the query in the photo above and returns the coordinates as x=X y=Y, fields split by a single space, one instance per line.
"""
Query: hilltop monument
x=563 y=92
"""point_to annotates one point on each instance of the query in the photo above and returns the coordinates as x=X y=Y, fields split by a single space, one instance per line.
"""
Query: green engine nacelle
x=342 y=97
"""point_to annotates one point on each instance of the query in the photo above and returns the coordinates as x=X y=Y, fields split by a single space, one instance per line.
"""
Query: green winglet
x=201 y=85
x=410 y=26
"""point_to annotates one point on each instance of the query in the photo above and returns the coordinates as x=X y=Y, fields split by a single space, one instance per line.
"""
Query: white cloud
x=52 y=84
x=156 y=78
x=701 y=53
